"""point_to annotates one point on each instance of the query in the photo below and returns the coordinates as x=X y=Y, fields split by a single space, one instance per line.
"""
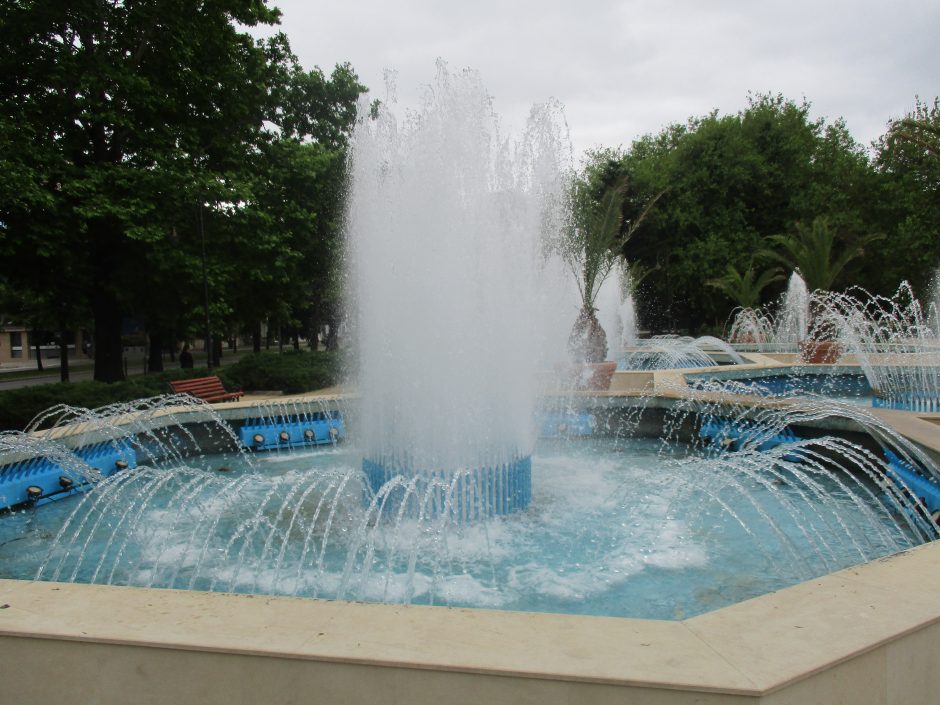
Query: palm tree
x=745 y=289
x=592 y=246
x=815 y=252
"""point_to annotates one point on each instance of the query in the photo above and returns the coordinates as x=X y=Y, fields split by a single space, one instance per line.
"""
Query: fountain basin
x=845 y=636
x=842 y=383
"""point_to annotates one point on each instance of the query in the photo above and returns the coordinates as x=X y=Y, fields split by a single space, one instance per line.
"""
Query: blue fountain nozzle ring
x=294 y=431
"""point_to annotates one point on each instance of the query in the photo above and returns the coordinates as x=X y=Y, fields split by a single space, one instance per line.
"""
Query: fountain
x=438 y=492
x=892 y=340
x=619 y=523
x=449 y=291
x=667 y=352
x=778 y=328
x=793 y=318
x=616 y=310
x=933 y=304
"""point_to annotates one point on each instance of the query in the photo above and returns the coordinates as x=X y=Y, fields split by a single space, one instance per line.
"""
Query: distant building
x=17 y=344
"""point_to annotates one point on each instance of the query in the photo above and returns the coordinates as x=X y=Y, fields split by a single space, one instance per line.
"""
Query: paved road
x=75 y=375
x=83 y=369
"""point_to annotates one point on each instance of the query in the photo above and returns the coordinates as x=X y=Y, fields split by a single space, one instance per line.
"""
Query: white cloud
x=627 y=68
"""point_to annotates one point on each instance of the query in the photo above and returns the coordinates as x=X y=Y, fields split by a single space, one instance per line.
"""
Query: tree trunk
x=314 y=333
x=109 y=354
x=217 y=351
x=63 y=356
x=332 y=336
x=38 y=350
x=587 y=342
x=256 y=337
x=155 y=354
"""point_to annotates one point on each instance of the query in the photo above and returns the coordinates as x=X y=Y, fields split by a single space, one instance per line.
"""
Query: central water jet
x=446 y=228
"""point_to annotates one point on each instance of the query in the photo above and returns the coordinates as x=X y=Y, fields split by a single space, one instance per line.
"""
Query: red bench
x=205 y=388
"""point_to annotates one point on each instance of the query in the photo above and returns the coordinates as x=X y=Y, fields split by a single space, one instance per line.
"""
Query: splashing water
x=451 y=296
x=793 y=319
x=780 y=327
x=892 y=340
x=650 y=527
x=665 y=352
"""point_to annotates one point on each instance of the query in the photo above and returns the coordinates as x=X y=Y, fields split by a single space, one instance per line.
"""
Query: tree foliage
x=597 y=236
x=816 y=253
x=745 y=288
x=730 y=183
x=910 y=200
x=133 y=131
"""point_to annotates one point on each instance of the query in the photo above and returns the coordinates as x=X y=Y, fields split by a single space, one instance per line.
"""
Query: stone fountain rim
x=752 y=648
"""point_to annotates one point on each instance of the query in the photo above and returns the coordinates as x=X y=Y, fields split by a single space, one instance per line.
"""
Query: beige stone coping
x=776 y=643
x=751 y=648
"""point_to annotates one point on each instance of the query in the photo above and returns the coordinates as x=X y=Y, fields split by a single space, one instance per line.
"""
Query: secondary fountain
x=892 y=339
x=793 y=318
x=776 y=328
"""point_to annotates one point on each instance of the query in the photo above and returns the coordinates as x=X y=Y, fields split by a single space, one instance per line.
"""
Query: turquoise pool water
x=622 y=527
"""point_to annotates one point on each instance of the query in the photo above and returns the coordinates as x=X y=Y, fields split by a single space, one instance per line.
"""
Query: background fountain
x=665 y=352
x=933 y=304
x=892 y=340
x=793 y=317
x=775 y=328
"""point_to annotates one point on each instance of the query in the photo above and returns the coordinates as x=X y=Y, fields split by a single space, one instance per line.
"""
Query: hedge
x=290 y=372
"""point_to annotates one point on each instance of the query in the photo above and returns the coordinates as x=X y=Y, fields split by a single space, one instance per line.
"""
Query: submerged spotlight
x=66 y=483
x=33 y=492
x=120 y=464
x=309 y=434
x=284 y=436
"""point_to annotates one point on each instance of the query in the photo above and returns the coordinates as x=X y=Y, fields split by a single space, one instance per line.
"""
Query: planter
x=820 y=352
x=595 y=377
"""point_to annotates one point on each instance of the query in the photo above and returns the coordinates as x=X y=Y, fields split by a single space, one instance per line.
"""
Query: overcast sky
x=623 y=69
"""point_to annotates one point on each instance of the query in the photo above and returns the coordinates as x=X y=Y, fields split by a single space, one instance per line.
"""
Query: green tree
x=597 y=236
x=121 y=119
x=817 y=254
x=745 y=288
x=733 y=181
x=910 y=199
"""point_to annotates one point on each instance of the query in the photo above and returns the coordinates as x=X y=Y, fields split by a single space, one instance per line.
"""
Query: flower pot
x=596 y=376
x=820 y=352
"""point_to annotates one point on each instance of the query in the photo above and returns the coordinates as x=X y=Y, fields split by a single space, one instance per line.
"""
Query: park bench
x=205 y=388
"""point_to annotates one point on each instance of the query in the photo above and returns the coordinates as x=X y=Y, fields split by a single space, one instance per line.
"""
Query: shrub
x=291 y=373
